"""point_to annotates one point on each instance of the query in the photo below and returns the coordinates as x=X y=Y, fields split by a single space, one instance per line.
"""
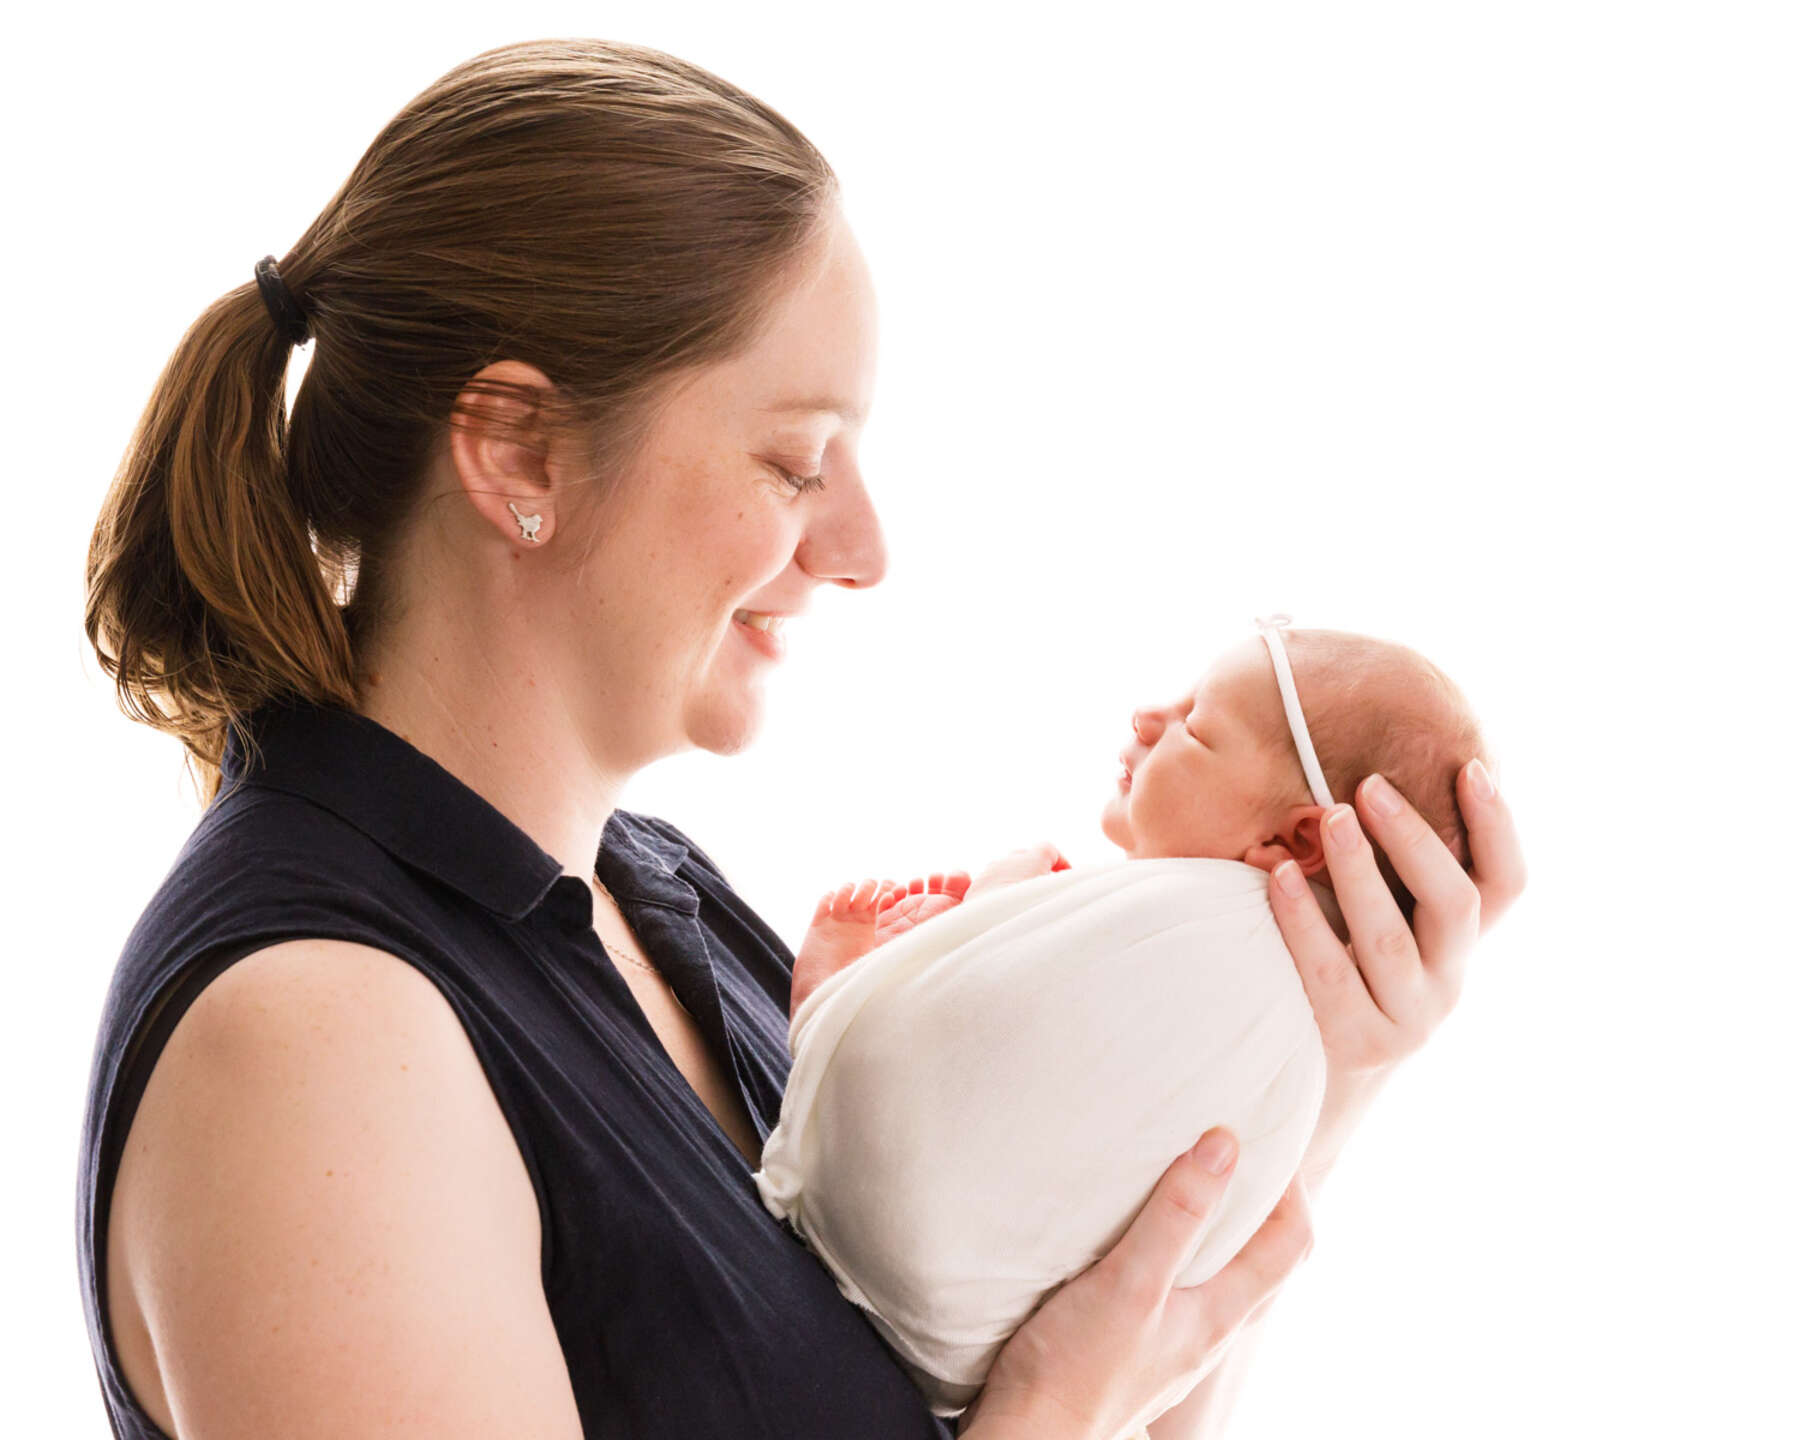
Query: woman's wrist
x=1017 y=1425
x=1001 y=1428
x=1206 y=1411
x=1346 y=1100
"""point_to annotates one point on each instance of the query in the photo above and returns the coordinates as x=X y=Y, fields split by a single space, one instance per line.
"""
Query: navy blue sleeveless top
x=684 y=1308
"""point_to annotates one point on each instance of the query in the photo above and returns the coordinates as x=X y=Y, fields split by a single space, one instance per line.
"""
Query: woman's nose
x=845 y=543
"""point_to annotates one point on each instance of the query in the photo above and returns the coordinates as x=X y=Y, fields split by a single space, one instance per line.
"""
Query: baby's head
x=1216 y=772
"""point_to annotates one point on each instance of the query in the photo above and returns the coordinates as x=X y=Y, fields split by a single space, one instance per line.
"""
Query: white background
x=1469 y=326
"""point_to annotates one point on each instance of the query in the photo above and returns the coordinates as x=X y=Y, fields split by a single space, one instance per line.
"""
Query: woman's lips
x=771 y=642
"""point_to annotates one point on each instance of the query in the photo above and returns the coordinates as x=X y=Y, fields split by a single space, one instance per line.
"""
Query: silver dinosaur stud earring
x=528 y=524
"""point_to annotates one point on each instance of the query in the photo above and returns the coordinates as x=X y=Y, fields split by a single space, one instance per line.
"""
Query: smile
x=762 y=631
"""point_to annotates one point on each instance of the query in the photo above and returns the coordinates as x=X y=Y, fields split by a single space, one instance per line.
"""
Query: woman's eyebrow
x=818 y=405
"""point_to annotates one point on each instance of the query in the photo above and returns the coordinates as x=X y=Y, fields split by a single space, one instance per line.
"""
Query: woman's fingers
x=1446 y=912
x=1249 y=1280
x=1499 y=873
x=1113 y=1347
x=1383 y=941
x=1334 y=986
x=1379 y=999
x=1160 y=1241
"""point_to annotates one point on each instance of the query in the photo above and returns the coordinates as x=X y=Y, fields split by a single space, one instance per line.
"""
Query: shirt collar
x=423 y=815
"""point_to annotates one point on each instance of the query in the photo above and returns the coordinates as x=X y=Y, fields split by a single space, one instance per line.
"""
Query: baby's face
x=1213 y=772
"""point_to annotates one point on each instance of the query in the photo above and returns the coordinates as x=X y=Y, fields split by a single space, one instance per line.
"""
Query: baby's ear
x=1267 y=855
x=1297 y=837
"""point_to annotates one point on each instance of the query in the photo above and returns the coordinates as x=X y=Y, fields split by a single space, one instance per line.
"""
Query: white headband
x=1271 y=627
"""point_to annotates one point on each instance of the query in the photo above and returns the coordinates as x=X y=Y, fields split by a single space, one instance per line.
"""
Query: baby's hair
x=1374 y=705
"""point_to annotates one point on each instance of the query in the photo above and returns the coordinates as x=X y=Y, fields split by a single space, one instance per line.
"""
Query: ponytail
x=204 y=595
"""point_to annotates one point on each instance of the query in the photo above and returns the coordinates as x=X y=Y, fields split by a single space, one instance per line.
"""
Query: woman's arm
x=1378 y=997
x=1203 y=1415
x=325 y=1219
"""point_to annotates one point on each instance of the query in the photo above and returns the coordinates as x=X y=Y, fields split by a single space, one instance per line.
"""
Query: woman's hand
x=1117 y=1345
x=1378 y=998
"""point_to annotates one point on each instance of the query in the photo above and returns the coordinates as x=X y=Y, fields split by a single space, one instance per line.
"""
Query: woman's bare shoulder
x=322 y=1211
x=322 y=994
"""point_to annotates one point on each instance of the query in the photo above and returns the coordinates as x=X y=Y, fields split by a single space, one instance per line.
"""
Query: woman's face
x=704 y=524
x=1204 y=776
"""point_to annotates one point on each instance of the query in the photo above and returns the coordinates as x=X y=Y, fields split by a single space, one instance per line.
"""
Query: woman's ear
x=1298 y=837
x=499 y=445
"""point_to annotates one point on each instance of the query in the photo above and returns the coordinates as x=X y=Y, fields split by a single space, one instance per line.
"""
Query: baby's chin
x=1321 y=885
x=1117 y=831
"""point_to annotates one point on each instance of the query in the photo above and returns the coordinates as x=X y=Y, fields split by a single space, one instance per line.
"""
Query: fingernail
x=1481 y=780
x=1216 y=1152
x=1289 y=878
x=1383 y=799
x=1340 y=826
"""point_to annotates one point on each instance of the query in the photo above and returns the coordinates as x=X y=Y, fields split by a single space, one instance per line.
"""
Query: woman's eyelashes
x=800 y=483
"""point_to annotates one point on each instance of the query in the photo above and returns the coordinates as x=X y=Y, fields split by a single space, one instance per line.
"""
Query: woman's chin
x=727 y=724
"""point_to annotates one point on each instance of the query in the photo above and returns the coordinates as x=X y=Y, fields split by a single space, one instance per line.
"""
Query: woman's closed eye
x=800 y=483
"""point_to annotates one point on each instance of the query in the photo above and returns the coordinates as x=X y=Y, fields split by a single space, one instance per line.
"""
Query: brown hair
x=1375 y=706
x=606 y=212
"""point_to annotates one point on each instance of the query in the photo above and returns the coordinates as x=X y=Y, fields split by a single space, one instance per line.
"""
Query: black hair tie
x=289 y=318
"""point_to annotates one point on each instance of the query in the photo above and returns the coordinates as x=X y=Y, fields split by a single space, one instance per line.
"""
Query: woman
x=430 y=1083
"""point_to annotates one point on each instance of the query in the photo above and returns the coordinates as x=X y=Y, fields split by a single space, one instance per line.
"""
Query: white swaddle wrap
x=978 y=1109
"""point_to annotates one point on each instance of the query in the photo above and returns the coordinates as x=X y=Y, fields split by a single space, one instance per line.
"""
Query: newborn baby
x=991 y=1074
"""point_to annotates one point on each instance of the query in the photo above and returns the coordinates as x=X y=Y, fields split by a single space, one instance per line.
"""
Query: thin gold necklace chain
x=631 y=960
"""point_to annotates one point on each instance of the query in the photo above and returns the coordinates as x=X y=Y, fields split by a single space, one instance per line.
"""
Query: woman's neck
x=480 y=713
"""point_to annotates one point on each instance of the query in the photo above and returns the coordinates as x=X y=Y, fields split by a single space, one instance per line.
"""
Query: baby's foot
x=912 y=905
x=856 y=917
x=842 y=932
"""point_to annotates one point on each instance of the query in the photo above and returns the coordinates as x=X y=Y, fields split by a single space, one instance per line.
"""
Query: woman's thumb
x=1165 y=1236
